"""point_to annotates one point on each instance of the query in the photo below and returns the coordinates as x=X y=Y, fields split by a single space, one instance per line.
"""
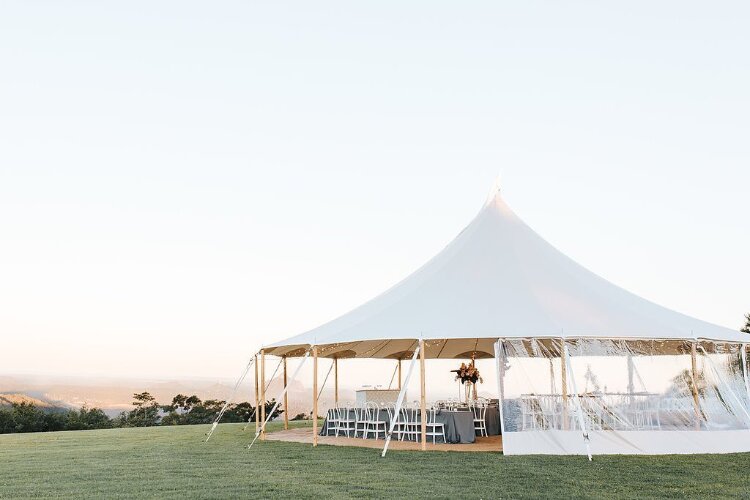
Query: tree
x=145 y=413
x=87 y=418
x=746 y=328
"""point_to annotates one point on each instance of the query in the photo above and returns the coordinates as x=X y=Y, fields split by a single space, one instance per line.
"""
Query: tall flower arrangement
x=468 y=373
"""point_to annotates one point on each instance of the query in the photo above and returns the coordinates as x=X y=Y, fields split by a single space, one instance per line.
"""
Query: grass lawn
x=173 y=462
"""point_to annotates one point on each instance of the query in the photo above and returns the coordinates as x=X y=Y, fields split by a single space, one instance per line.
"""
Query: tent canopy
x=496 y=279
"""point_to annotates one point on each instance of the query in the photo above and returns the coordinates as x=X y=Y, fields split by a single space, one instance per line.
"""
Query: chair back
x=373 y=411
x=479 y=411
x=432 y=415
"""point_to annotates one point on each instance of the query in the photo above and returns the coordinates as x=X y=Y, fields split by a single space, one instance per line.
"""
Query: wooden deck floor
x=483 y=444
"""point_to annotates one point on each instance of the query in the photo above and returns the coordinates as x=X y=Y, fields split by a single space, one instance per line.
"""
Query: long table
x=459 y=425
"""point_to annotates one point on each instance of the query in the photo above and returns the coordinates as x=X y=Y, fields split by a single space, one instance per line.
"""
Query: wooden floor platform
x=483 y=444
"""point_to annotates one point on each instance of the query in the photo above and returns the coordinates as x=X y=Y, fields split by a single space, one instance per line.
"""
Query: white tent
x=499 y=288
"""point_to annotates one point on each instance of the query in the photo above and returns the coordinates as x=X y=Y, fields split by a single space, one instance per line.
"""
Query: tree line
x=146 y=412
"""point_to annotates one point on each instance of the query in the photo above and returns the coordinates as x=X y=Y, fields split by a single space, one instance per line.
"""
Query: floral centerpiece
x=469 y=376
x=468 y=373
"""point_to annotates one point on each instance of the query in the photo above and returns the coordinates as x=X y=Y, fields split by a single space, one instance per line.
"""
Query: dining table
x=458 y=424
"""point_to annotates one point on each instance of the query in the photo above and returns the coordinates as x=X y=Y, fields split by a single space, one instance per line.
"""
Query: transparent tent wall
x=619 y=396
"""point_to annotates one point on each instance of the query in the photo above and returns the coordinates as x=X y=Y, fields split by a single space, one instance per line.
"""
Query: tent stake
x=400 y=400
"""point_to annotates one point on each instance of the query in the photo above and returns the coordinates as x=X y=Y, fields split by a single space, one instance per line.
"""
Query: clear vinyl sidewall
x=623 y=397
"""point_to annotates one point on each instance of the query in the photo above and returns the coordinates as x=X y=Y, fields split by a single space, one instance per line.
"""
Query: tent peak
x=494 y=192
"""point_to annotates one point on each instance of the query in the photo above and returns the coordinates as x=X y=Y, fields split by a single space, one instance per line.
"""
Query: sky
x=182 y=182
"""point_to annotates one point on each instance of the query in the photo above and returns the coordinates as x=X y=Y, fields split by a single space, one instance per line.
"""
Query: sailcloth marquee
x=583 y=365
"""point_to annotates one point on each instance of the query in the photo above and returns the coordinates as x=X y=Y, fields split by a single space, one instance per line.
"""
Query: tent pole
x=694 y=385
x=400 y=401
x=564 y=376
x=744 y=369
x=286 y=399
x=262 y=392
x=257 y=398
x=631 y=386
x=336 y=381
x=577 y=400
x=551 y=376
x=399 y=374
x=500 y=362
x=278 y=399
x=422 y=396
x=315 y=396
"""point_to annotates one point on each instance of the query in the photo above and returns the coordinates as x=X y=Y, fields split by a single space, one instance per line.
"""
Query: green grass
x=173 y=462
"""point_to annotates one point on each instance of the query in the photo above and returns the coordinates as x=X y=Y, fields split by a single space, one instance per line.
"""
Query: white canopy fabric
x=496 y=279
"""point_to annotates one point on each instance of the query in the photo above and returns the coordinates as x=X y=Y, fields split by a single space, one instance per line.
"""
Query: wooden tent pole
x=262 y=393
x=315 y=396
x=422 y=396
x=257 y=397
x=336 y=381
x=399 y=373
x=694 y=385
x=564 y=376
x=286 y=400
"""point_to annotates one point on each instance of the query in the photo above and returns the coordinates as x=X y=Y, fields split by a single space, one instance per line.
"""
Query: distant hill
x=8 y=399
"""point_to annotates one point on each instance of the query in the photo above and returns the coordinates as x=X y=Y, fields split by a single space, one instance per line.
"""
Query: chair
x=529 y=406
x=360 y=417
x=480 y=418
x=347 y=422
x=332 y=422
x=373 y=423
x=433 y=427
x=412 y=426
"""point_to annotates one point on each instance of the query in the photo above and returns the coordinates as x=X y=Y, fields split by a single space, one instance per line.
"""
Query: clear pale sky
x=181 y=182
